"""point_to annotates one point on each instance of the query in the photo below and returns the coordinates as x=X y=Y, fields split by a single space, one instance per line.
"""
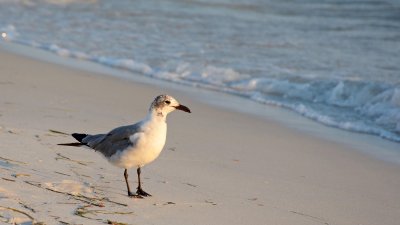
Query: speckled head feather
x=164 y=104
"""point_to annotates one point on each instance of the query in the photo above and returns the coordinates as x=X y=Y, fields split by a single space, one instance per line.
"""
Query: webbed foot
x=142 y=193
x=132 y=195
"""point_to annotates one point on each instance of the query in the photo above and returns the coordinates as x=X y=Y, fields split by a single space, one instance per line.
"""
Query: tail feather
x=78 y=137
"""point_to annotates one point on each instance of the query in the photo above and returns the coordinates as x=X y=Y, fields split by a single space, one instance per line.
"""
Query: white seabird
x=134 y=145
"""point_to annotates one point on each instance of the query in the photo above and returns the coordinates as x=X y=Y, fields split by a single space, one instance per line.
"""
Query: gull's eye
x=168 y=102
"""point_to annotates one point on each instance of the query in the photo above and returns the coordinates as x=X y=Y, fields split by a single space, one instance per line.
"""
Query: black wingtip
x=79 y=137
x=75 y=144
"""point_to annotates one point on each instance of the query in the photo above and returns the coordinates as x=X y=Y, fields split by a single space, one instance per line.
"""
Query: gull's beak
x=183 y=108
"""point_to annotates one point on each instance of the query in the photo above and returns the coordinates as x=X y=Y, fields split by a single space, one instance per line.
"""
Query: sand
x=219 y=165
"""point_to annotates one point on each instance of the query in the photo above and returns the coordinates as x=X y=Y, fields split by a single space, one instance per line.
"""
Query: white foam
x=352 y=104
x=133 y=66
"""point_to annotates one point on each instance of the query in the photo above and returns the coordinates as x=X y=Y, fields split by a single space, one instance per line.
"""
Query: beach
x=219 y=165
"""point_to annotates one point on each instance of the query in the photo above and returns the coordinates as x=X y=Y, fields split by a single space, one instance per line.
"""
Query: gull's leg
x=139 y=188
x=130 y=194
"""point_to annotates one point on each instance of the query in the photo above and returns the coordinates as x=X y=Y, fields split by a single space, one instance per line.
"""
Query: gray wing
x=114 y=141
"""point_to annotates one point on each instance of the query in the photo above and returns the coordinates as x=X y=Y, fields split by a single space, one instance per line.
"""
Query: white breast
x=147 y=146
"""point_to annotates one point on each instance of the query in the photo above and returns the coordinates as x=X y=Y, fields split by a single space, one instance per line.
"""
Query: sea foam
x=309 y=63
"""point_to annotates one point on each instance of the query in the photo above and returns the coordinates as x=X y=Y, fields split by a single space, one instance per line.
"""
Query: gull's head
x=164 y=104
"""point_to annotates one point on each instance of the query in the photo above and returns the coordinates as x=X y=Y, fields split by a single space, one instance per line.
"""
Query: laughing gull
x=134 y=145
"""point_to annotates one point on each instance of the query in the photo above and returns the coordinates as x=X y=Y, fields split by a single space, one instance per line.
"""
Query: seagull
x=134 y=145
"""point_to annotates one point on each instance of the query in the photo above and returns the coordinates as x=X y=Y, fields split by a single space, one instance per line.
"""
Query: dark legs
x=139 y=188
x=139 y=193
x=130 y=194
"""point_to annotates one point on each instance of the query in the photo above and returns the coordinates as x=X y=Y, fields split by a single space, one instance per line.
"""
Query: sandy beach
x=219 y=166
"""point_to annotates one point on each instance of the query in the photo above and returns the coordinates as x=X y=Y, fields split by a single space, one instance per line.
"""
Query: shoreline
x=219 y=166
x=369 y=144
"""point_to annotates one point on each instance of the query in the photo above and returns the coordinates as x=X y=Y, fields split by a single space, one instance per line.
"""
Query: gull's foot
x=140 y=192
x=132 y=195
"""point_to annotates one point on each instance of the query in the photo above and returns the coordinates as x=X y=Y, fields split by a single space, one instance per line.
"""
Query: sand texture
x=218 y=166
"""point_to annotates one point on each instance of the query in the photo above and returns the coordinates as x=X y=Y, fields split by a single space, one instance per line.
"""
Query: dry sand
x=218 y=166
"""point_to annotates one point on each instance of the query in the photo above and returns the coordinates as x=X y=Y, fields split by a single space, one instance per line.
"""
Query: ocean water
x=336 y=62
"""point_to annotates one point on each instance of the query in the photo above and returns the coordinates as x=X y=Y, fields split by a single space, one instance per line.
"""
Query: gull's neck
x=156 y=116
